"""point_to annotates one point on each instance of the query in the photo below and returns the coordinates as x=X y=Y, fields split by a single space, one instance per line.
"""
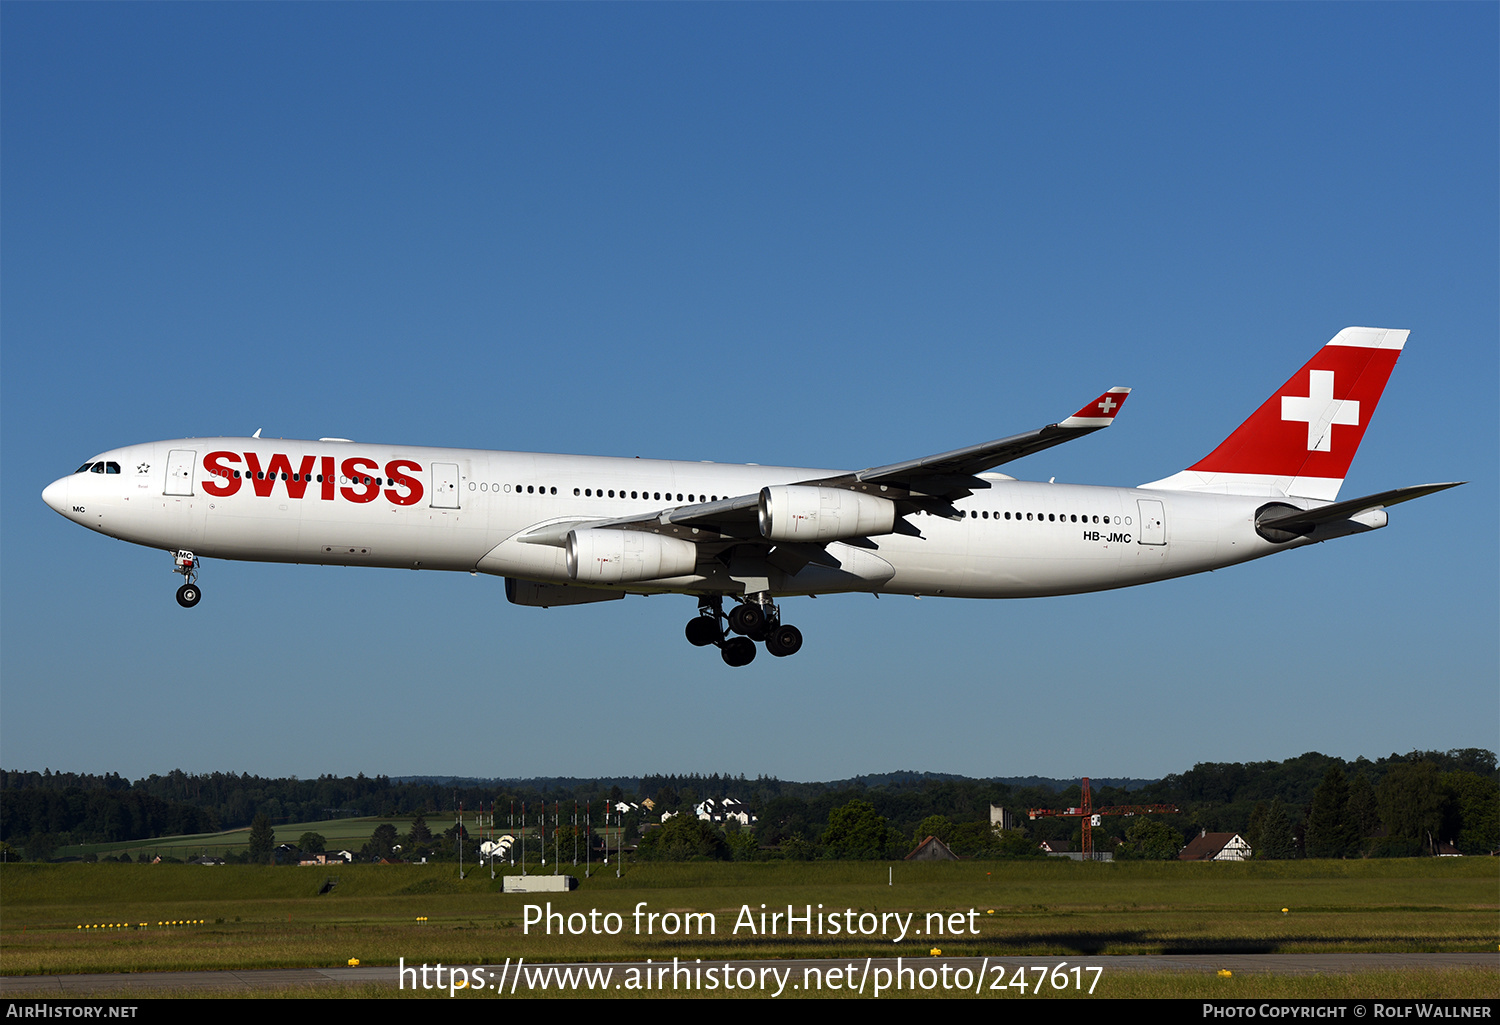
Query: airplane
x=568 y=530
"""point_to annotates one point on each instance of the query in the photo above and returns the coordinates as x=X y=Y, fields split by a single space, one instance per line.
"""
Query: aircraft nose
x=56 y=495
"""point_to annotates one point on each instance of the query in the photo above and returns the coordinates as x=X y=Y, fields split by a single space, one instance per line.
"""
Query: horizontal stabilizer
x=1304 y=520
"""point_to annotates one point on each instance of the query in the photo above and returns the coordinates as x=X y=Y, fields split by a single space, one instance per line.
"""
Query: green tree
x=1256 y=824
x=382 y=843
x=1410 y=802
x=965 y=839
x=857 y=830
x=742 y=843
x=1277 y=843
x=262 y=839
x=683 y=838
x=457 y=835
x=973 y=840
x=1331 y=832
x=1472 y=822
x=935 y=826
x=1150 y=839
x=796 y=847
x=419 y=842
x=782 y=818
x=312 y=843
x=1364 y=812
x=1014 y=843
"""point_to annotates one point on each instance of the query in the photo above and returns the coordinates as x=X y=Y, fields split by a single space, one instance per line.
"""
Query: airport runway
x=847 y=972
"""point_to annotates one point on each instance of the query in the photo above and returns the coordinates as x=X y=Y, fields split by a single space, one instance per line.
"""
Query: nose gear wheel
x=186 y=563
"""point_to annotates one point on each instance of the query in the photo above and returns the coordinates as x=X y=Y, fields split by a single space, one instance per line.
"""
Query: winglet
x=1099 y=413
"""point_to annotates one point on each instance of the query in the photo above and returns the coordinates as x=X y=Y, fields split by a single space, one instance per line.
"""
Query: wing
x=950 y=475
x=929 y=484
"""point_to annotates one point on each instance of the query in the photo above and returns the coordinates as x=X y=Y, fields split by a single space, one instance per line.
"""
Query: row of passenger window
x=261 y=475
x=985 y=514
x=650 y=496
x=658 y=496
x=540 y=489
x=379 y=482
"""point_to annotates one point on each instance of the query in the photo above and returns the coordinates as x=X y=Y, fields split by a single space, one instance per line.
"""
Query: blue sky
x=820 y=235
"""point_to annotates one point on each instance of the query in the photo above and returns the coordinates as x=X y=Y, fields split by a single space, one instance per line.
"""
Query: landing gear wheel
x=740 y=651
x=748 y=619
x=186 y=564
x=704 y=630
x=784 y=641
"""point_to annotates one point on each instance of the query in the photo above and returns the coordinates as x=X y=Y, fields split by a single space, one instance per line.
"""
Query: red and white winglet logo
x=1320 y=410
x=1100 y=412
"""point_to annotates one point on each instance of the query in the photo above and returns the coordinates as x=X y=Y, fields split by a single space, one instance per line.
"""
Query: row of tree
x=1313 y=805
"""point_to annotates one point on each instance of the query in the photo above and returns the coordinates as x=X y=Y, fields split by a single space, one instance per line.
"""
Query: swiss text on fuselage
x=362 y=477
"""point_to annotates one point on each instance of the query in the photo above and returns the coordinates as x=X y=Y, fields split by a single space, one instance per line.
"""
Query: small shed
x=932 y=849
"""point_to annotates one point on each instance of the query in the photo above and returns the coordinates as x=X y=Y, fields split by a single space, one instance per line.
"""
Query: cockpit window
x=84 y=468
x=97 y=468
x=111 y=467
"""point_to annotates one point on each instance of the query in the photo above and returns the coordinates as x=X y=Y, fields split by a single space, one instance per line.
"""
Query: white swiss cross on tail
x=1100 y=412
x=1301 y=440
x=1320 y=410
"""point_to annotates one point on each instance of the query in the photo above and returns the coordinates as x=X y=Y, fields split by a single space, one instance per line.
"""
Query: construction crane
x=1089 y=814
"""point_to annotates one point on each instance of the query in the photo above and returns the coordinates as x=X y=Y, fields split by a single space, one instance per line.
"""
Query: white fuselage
x=464 y=509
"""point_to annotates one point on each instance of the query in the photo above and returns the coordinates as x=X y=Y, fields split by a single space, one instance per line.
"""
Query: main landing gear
x=754 y=619
x=186 y=564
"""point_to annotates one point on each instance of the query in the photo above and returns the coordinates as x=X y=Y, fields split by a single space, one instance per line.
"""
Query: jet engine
x=795 y=512
x=600 y=556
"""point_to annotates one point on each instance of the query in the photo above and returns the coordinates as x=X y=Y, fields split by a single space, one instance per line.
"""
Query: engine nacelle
x=602 y=556
x=794 y=512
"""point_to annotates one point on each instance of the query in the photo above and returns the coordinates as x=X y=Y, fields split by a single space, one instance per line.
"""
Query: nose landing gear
x=186 y=564
x=754 y=619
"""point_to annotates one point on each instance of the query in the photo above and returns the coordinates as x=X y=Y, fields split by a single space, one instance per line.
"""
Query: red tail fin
x=1302 y=440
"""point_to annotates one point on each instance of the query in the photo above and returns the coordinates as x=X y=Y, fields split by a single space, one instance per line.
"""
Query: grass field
x=269 y=917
